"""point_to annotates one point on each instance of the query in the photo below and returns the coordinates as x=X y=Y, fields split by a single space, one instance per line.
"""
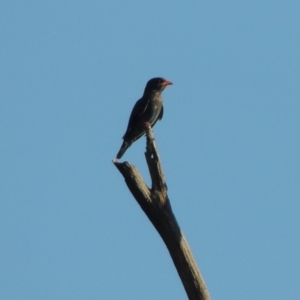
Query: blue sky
x=229 y=142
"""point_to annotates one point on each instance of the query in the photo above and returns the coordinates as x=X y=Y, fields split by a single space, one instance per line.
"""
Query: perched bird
x=148 y=109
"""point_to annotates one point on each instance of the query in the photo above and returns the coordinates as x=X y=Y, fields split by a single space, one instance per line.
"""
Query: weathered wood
x=156 y=205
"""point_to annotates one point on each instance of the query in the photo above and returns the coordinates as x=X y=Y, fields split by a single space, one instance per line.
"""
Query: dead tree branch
x=156 y=205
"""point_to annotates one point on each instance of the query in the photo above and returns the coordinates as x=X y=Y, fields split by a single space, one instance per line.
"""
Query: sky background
x=71 y=72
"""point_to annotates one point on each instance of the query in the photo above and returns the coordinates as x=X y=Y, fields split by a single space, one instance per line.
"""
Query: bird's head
x=157 y=84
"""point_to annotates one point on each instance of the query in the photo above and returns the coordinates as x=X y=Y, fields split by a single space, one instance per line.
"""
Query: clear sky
x=71 y=72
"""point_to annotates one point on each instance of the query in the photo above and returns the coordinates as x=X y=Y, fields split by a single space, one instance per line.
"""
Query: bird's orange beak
x=167 y=82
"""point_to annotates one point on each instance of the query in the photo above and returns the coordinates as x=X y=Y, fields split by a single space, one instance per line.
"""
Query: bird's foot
x=147 y=124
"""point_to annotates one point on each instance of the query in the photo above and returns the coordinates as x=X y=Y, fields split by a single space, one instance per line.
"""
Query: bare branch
x=156 y=205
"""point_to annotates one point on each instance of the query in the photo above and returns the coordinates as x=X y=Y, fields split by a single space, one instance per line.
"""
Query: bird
x=149 y=109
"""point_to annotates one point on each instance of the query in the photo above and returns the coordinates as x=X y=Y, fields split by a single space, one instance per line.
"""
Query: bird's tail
x=123 y=148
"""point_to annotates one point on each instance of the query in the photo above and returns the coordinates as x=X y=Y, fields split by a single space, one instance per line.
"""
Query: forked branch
x=155 y=203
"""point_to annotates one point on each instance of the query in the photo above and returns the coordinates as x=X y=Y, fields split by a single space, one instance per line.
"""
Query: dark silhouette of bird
x=148 y=109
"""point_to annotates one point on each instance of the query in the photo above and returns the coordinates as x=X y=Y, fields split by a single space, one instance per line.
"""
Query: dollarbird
x=148 y=109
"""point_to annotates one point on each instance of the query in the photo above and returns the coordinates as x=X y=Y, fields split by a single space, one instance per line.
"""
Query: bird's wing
x=161 y=113
x=137 y=112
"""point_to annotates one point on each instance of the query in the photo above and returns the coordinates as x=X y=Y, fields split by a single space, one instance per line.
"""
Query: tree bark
x=156 y=205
